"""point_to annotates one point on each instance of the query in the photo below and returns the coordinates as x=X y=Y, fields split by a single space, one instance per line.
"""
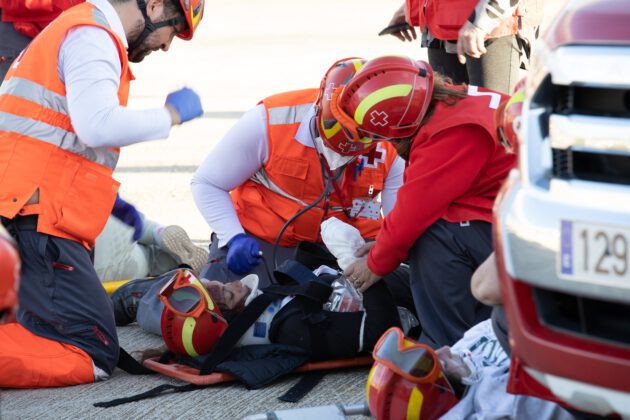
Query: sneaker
x=176 y=243
x=126 y=299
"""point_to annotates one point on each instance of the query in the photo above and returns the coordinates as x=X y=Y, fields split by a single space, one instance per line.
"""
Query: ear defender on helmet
x=406 y=380
x=191 y=322
x=329 y=129
x=386 y=100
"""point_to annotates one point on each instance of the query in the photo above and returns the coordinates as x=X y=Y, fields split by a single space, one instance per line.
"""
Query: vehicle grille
x=587 y=165
x=589 y=318
x=605 y=102
x=600 y=167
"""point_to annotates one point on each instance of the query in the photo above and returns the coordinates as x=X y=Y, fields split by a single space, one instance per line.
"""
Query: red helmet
x=508 y=119
x=327 y=126
x=386 y=100
x=191 y=322
x=406 y=380
x=193 y=12
x=9 y=276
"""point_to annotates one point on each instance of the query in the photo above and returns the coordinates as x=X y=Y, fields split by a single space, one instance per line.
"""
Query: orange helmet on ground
x=328 y=127
x=508 y=119
x=406 y=380
x=386 y=100
x=9 y=276
x=191 y=321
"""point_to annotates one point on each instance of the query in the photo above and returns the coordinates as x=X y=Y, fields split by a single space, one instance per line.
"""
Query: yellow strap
x=112 y=286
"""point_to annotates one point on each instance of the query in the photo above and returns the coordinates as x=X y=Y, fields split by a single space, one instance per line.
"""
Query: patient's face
x=228 y=295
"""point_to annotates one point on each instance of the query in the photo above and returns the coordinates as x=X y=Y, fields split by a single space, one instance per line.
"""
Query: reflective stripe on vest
x=279 y=116
x=43 y=159
x=288 y=114
x=261 y=178
x=292 y=178
x=51 y=102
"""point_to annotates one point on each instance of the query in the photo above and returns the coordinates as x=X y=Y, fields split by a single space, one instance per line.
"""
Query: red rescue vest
x=444 y=18
x=30 y=17
x=478 y=108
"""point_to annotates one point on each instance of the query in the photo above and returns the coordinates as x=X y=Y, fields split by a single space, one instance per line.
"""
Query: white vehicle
x=562 y=228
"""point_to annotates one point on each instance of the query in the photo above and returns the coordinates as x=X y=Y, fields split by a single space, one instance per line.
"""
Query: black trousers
x=442 y=262
x=498 y=69
x=61 y=297
x=340 y=334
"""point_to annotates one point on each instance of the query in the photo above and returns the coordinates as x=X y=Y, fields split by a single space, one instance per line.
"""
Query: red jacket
x=29 y=17
x=456 y=167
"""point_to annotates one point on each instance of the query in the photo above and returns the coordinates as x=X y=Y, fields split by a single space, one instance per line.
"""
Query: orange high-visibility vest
x=292 y=178
x=42 y=160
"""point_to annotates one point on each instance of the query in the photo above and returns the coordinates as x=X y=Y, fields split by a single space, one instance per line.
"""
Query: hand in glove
x=243 y=254
x=128 y=214
x=186 y=105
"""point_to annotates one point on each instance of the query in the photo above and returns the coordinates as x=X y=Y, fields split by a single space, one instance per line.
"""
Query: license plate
x=594 y=252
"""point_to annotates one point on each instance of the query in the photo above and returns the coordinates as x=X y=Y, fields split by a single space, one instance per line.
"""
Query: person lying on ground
x=343 y=328
x=285 y=167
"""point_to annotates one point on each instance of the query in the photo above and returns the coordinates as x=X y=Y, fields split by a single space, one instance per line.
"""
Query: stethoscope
x=331 y=184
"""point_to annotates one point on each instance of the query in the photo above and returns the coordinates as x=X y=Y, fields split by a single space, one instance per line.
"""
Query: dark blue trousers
x=442 y=262
x=61 y=297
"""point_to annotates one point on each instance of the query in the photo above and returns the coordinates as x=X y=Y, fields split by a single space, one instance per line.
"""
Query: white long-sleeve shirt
x=89 y=66
x=238 y=156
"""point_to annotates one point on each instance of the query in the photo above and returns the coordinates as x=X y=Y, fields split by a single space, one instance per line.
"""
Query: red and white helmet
x=387 y=99
x=328 y=127
x=9 y=276
x=509 y=116
x=406 y=380
x=191 y=321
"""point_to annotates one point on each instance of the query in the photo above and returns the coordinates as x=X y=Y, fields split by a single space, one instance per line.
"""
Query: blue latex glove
x=186 y=103
x=128 y=214
x=243 y=254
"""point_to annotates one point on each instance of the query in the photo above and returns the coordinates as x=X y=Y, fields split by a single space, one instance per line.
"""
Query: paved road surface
x=244 y=51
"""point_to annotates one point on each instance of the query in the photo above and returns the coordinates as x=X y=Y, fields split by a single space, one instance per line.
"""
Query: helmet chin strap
x=150 y=27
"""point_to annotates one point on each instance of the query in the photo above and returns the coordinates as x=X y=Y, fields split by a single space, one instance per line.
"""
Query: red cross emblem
x=375 y=156
x=347 y=147
x=379 y=118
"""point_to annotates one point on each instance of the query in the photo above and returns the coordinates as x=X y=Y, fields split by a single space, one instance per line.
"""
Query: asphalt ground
x=244 y=51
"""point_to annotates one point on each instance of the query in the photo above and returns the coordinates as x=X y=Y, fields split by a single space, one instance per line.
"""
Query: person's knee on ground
x=30 y=361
